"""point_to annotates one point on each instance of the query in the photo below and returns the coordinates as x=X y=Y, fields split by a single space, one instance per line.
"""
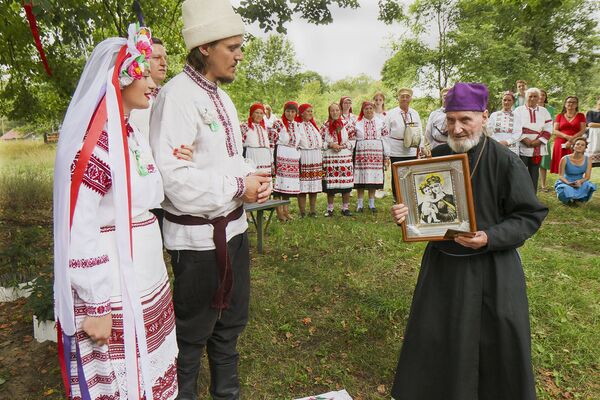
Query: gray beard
x=464 y=145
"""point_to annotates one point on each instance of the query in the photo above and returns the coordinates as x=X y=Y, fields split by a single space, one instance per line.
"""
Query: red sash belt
x=536 y=150
x=221 y=298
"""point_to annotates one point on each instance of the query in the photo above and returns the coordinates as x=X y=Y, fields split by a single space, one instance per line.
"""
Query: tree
x=269 y=73
x=552 y=44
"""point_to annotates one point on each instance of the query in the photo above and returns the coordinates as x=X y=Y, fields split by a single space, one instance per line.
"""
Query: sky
x=354 y=43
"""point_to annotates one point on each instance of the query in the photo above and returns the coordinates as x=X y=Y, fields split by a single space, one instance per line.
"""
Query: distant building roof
x=11 y=135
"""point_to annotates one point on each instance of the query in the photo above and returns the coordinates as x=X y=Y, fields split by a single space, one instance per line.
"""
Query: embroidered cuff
x=241 y=187
x=87 y=262
x=97 y=309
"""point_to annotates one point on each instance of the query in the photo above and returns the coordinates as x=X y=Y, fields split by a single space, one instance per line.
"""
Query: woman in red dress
x=568 y=126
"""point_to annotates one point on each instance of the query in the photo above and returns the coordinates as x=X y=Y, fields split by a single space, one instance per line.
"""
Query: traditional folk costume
x=287 y=156
x=337 y=165
x=468 y=334
x=108 y=250
x=371 y=150
x=348 y=118
x=310 y=145
x=593 y=138
x=396 y=123
x=436 y=131
x=570 y=128
x=505 y=127
x=255 y=138
x=205 y=228
x=536 y=124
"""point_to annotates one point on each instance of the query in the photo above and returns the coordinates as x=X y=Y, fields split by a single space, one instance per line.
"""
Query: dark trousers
x=198 y=325
x=534 y=170
x=392 y=161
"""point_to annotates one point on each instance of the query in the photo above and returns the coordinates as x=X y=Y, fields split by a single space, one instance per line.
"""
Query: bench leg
x=259 y=230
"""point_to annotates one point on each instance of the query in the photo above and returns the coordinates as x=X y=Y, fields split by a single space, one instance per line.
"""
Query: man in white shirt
x=536 y=125
x=205 y=224
x=397 y=120
x=436 y=131
x=158 y=72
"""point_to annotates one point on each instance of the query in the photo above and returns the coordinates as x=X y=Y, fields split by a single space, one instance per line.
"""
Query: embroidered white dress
x=310 y=144
x=192 y=109
x=370 y=151
x=396 y=121
x=337 y=165
x=287 y=159
x=257 y=147
x=536 y=123
x=349 y=118
x=95 y=277
x=505 y=127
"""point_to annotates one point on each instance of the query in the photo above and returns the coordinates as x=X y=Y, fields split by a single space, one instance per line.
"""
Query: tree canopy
x=552 y=44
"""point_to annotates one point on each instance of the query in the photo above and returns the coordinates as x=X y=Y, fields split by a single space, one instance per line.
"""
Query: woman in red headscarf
x=311 y=160
x=256 y=140
x=346 y=107
x=371 y=153
x=337 y=160
x=284 y=134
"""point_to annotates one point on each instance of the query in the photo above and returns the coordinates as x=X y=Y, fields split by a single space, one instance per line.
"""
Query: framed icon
x=437 y=192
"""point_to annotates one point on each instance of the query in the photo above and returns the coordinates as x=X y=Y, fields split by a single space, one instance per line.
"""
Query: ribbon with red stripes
x=36 y=35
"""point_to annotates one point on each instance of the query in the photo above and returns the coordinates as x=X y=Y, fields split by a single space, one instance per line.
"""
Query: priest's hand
x=399 y=213
x=98 y=328
x=476 y=242
x=258 y=188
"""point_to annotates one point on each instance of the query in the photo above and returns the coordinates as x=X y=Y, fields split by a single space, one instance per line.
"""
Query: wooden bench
x=260 y=208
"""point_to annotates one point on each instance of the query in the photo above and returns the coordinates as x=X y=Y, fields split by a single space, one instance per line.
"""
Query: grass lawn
x=331 y=296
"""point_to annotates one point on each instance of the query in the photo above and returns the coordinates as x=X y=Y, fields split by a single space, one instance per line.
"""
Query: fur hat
x=205 y=21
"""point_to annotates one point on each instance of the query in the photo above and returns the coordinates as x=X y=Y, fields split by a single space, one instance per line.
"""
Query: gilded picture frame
x=438 y=194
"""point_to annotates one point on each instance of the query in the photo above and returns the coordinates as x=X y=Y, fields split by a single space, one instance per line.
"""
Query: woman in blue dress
x=573 y=184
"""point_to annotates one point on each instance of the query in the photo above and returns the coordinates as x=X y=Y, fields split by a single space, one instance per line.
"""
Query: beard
x=463 y=145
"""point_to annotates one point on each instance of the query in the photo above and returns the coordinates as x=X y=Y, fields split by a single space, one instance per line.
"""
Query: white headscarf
x=96 y=82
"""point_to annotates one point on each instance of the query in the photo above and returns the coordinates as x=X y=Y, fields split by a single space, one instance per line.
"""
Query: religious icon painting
x=437 y=192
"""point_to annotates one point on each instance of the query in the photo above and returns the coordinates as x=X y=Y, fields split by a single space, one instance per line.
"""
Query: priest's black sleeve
x=521 y=213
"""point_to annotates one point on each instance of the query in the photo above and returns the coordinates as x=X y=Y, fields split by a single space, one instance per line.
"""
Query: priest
x=468 y=333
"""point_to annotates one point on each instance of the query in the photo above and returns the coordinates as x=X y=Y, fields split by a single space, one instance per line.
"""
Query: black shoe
x=302 y=215
x=329 y=213
x=373 y=210
x=188 y=369
x=359 y=210
x=346 y=213
x=224 y=382
x=312 y=214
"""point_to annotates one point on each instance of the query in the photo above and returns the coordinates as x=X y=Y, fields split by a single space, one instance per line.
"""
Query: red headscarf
x=287 y=106
x=254 y=107
x=335 y=127
x=342 y=99
x=362 y=108
x=301 y=109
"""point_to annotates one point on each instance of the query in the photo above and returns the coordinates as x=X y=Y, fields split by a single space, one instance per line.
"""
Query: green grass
x=330 y=297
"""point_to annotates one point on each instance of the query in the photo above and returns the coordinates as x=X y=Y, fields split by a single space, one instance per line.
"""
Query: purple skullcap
x=467 y=97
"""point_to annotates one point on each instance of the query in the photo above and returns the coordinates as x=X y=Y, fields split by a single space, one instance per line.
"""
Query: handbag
x=412 y=134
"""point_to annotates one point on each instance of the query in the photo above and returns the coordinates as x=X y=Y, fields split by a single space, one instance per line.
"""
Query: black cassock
x=468 y=335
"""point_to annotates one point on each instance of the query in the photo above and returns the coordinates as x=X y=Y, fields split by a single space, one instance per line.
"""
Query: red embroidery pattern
x=96 y=176
x=97 y=310
x=88 y=262
x=370 y=129
x=159 y=322
x=338 y=170
x=111 y=228
x=211 y=90
x=103 y=141
x=311 y=172
x=165 y=386
x=241 y=187
x=288 y=167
